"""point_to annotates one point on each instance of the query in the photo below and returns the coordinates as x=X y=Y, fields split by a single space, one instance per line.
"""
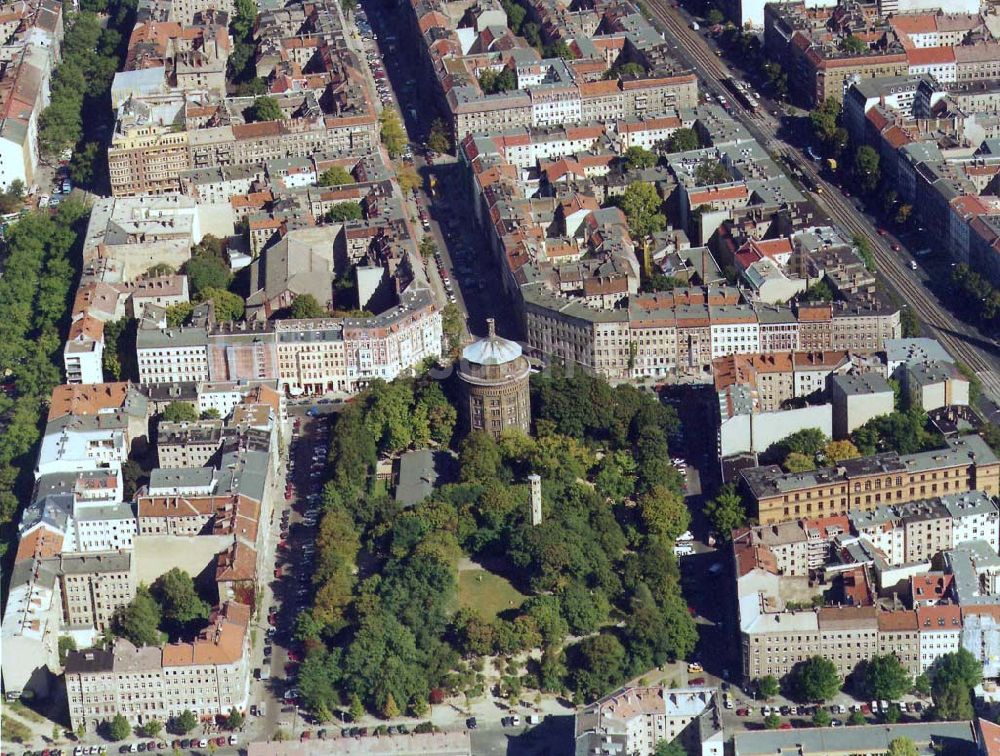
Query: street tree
x=408 y=178
x=953 y=677
x=768 y=687
x=886 y=678
x=822 y=717
x=184 y=722
x=866 y=168
x=392 y=133
x=235 y=719
x=726 y=512
x=150 y=729
x=439 y=138
x=816 y=679
x=903 y=747
x=119 y=728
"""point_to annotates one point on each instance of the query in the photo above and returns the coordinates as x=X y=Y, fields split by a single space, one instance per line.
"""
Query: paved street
x=961 y=339
x=465 y=256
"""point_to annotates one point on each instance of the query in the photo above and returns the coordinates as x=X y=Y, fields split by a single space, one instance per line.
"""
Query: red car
x=277 y=573
x=785 y=726
x=697 y=681
x=220 y=741
x=895 y=248
x=293 y=656
x=882 y=232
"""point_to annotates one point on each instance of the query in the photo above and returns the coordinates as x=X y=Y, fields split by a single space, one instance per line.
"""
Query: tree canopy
x=886 y=678
x=392 y=133
x=726 y=512
x=953 y=676
x=643 y=210
x=816 y=679
x=344 y=211
x=206 y=272
x=183 y=609
x=265 y=108
x=306 y=306
x=335 y=176
x=492 y=82
x=768 y=687
x=140 y=620
x=903 y=747
x=903 y=432
x=683 y=140
x=639 y=157
x=439 y=138
x=394 y=642
x=227 y=306
x=866 y=168
x=179 y=412
x=119 y=728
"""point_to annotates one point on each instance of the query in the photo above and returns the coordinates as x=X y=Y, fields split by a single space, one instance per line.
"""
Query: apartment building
x=940 y=631
x=858 y=398
x=32 y=619
x=777 y=377
x=575 y=309
x=899 y=635
x=186 y=444
x=172 y=355
x=917 y=531
x=967 y=464
x=773 y=643
x=93 y=587
x=32 y=38
x=208 y=676
x=818 y=65
x=147 y=152
x=933 y=385
x=634 y=719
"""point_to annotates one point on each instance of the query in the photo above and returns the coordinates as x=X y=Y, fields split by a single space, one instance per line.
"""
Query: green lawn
x=487 y=593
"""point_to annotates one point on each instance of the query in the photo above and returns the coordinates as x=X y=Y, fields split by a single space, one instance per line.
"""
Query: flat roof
x=957 y=737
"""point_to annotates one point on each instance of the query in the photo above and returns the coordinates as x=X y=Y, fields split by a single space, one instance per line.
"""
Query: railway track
x=941 y=324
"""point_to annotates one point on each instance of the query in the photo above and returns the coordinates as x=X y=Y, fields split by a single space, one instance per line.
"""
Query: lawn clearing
x=487 y=593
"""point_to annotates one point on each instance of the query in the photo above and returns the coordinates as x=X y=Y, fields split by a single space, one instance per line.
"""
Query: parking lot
x=274 y=697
